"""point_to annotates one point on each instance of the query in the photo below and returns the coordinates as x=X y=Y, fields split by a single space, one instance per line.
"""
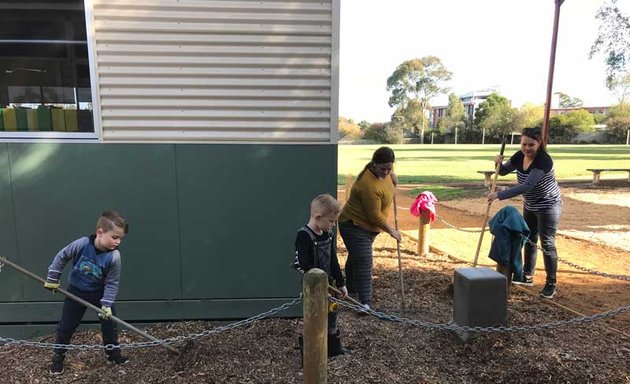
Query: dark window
x=44 y=69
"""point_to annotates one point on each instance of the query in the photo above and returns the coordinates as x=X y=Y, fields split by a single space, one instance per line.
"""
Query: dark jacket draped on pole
x=510 y=232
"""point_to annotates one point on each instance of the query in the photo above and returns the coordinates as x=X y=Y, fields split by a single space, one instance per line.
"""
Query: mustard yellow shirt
x=369 y=203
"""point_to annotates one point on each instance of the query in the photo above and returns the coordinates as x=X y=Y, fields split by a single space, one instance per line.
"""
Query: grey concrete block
x=479 y=299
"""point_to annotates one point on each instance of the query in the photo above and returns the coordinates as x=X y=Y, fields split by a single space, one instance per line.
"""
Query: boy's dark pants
x=71 y=318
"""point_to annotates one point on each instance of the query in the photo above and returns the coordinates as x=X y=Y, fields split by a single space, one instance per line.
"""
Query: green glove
x=52 y=286
x=105 y=313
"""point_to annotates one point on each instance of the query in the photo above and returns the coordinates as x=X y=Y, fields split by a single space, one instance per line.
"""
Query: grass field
x=449 y=163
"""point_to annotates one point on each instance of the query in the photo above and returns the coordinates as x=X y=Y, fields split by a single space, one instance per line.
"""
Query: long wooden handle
x=350 y=299
x=87 y=304
x=485 y=216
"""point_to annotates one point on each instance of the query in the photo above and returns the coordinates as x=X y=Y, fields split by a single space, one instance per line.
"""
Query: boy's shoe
x=527 y=281
x=56 y=368
x=335 y=348
x=549 y=291
x=117 y=359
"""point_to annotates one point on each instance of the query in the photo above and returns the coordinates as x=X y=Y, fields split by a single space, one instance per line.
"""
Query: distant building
x=470 y=100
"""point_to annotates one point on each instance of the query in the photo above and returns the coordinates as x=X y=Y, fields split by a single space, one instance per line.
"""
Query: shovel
x=85 y=303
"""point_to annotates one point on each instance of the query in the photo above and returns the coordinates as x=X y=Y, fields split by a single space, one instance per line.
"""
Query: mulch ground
x=382 y=351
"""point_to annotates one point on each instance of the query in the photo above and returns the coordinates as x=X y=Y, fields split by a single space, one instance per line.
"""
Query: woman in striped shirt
x=542 y=204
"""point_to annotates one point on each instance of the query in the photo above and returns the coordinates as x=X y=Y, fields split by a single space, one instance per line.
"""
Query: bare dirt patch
x=597 y=215
x=583 y=292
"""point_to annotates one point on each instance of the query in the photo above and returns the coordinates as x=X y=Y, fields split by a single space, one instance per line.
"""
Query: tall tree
x=613 y=41
x=455 y=115
x=567 y=101
x=410 y=116
x=621 y=87
x=532 y=115
x=496 y=117
x=420 y=80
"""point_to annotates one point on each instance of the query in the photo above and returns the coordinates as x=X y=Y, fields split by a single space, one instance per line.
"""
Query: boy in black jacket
x=315 y=248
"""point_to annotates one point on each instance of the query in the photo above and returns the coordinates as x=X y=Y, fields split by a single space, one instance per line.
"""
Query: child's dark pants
x=71 y=318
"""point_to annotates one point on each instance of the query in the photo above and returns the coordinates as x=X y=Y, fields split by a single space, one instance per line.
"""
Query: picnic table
x=598 y=171
x=487 y=177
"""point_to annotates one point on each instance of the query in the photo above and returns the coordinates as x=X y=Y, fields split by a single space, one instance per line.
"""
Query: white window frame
x=63 y=137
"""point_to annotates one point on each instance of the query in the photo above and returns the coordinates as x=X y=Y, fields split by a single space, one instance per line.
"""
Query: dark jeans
x=358 y=267
x=543 y=224
x=73 y=313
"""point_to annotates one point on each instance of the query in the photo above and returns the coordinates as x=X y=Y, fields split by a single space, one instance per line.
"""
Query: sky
x=501 y=44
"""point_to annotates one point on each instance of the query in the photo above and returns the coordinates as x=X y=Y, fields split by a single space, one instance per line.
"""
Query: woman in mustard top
x=363 y=217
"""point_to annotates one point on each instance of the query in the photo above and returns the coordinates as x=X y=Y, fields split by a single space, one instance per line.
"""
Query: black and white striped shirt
x=537 y=184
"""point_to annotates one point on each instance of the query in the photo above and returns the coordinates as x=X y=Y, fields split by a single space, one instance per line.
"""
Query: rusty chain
x=499 y=329
x=168 y=341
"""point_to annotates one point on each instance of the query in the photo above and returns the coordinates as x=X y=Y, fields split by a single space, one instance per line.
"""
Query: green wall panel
x=10 y=282
x=60 y=190
x=211 y=226
x=240 y=207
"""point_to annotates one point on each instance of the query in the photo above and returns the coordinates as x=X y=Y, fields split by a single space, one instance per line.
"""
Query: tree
x=375 y=132
x=364 y=125
x=384 y=133
x=501 y=122
x=420 y=80
x=532 y=115
x=496 y=117
x=567 y=101
x=348 y=129
x=410 y=116
x=613 y=41
x=454 y=117
x=621 y=87
x=564 y=128
x=618 y=123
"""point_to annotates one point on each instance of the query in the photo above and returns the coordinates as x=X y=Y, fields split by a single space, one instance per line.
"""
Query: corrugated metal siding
x=215 y=71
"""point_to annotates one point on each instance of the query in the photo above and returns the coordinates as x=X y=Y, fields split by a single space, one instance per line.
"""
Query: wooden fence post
x=423 y=232
x=315 y=286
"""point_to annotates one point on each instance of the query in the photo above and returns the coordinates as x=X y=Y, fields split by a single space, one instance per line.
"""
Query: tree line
x=415 y=82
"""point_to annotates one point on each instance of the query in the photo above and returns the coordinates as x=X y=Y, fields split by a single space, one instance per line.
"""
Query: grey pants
x=543 y=224
x=358 y=268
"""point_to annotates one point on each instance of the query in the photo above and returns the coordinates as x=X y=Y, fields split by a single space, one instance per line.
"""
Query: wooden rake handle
x=485 y=216
x=91 y=306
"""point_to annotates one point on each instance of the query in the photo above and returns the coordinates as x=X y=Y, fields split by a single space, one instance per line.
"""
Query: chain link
x=503 y=329
x=443 y=220
x=168 y=341
x=457 y=228
x=579 y=267
x=576 y=266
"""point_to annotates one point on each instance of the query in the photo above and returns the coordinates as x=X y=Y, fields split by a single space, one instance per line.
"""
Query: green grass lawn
x=449 y=163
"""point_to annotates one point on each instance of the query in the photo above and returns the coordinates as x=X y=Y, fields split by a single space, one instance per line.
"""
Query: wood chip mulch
x=382 y=351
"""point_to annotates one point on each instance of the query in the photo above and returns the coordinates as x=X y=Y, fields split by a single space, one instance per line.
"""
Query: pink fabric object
x=425 y=200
